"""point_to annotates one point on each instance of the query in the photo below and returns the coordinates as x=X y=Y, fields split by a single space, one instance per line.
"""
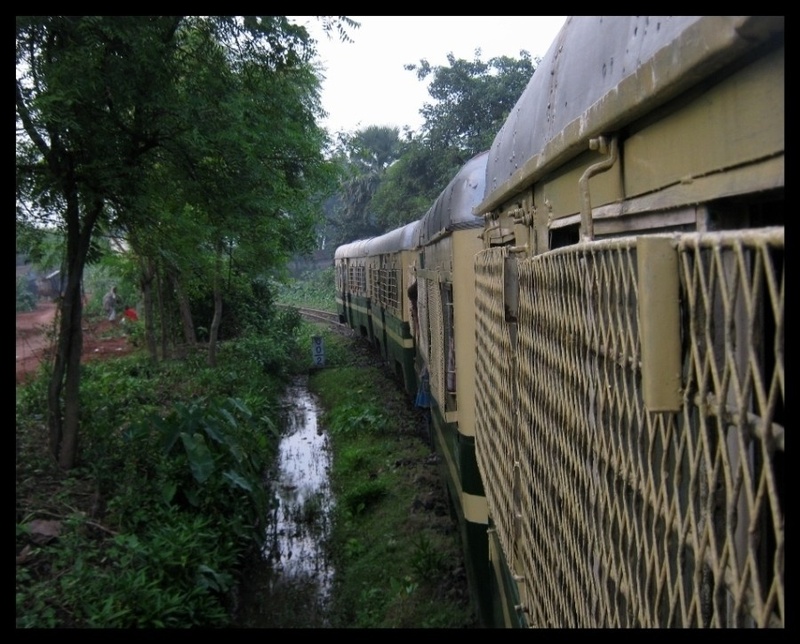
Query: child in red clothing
x=130 y=314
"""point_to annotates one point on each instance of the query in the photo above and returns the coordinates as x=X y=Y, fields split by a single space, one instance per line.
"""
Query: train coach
x=629 y=325
x=434 y=256
x=600 y=303
x=449 y=238
x=390 y=260
x=372 y=277
x=350 y=274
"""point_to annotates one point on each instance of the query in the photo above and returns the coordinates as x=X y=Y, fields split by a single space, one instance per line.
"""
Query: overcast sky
x=366 y=83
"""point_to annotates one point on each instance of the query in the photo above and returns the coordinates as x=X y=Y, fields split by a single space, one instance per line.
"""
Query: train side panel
x=449 y=240
x=402 y=349
x=392 y=256
x=630 y=403
x=360 y=302
x=351 y=269
x=342 y=259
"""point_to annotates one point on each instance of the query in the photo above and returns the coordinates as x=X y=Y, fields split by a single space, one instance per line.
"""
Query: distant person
x=412 y=298
x=129 y=314
x=110 y=304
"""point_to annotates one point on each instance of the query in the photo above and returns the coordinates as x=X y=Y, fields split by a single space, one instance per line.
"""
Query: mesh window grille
x=610 y=515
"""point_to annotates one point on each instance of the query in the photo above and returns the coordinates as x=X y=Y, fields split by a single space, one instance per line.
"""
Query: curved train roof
x=356 y=248
x=453 y=208
x=403 y=238
x=602 y=72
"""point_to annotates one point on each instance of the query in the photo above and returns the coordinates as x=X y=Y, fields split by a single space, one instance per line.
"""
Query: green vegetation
x=314 y=289
x=155 y=526
x=191 y=141
x=26 y=300
x=151 y=528
x=389 y=179
x=396 y=548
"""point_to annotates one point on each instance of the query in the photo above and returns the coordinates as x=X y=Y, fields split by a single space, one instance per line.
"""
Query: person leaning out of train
x=412 y=298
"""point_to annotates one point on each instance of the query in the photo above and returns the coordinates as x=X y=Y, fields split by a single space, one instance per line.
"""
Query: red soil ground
x=36 y=332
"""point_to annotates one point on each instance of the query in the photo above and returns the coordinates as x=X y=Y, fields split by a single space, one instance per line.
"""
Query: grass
x=396 y=548
x=150 y=530
x=149 y=541
x=314 y=289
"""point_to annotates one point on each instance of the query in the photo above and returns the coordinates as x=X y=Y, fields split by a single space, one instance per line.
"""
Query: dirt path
x=36 y=334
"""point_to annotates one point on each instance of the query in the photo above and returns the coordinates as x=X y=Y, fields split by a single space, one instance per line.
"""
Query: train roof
x=403 y=238
x=353 y=249
x=602 y=72
x=453 y=208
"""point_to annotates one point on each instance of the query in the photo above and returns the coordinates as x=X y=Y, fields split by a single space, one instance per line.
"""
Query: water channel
x=291 y=585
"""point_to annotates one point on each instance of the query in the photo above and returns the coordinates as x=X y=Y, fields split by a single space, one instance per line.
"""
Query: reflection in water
x=294 y=586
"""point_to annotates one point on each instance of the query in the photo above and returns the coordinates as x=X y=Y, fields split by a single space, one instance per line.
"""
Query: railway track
x=315 y=315
x=328 y=318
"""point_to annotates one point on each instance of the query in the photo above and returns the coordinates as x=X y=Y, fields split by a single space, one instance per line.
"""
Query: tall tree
x=471 y=100
x=101 y=102
x=365 y=157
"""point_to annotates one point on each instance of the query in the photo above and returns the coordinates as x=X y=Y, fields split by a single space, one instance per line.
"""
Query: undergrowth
x=152 y=530
x=152 y=527
x=395 y=545
x=314 y=289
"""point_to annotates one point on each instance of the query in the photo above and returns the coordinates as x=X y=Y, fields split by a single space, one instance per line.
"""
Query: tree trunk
x=147 y=277
x=186 y=310
x=215 y=322
x=63 y=422
x=162 y=308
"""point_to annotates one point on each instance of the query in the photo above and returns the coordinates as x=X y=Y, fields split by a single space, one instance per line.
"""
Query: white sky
x=365 y=82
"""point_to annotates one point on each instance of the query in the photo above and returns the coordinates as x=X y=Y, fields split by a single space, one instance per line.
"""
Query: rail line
x=329 y=318
x=315 y=315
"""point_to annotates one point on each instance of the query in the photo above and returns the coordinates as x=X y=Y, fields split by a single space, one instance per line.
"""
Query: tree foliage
x=411 y=184
x=364 y=157
x=470 y=101
x=131 y=123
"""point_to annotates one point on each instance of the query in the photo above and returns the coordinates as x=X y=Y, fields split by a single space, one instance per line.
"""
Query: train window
x=565 y=236
x=362 y=279
x=392 y=301
x=375 y=284
x=449 y=341
x=729 y=214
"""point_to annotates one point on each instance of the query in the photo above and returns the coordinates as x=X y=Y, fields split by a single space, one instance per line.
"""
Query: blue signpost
x=318 y=351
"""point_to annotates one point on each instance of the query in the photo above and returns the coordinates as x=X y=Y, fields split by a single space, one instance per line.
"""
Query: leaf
x=210 y=428
x=238 y=480
x=200 y=458
x=236 y=450
x=168 y=491
x=239 y=406
x=229 y=417
x=210 y=578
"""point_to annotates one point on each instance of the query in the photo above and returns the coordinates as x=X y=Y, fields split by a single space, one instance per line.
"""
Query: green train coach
x=350 y=273
x=600 y=299
x=390 y=259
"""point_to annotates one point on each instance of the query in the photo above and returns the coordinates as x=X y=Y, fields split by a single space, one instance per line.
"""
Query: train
x=594 y=308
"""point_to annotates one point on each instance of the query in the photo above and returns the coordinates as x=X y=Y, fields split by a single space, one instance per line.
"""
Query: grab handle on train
x=602 y=145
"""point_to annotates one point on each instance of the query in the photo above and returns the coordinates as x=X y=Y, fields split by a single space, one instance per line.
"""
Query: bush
x=26 y=298
x=315 y=289
x=175 y=484
x=357 y=418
